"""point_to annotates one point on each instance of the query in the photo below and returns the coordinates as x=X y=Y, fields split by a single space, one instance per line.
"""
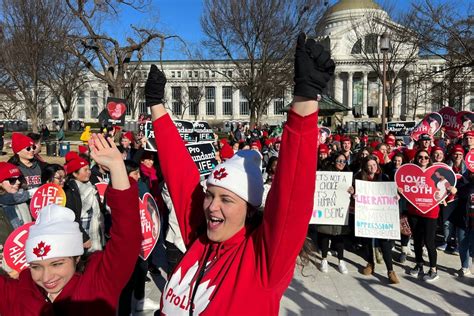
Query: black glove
x=313 y=68
x=155 y=86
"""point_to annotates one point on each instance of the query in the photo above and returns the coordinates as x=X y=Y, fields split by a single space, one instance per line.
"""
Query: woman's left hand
x=104 y=151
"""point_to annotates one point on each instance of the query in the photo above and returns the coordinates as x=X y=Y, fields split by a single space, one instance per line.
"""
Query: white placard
x=331 y=199
x=376 y=210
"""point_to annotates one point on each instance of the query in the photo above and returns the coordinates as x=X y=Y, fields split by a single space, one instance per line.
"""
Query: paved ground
x=316 y=293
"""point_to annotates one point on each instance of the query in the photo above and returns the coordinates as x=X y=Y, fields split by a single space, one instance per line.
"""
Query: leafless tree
x=258 y=37
x=10 y=110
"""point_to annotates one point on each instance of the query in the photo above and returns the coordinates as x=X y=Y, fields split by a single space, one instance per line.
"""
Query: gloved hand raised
x=155 y=86
x=313 y=68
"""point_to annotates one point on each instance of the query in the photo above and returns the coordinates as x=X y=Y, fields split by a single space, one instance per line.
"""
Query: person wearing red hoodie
x=236 y=262
x=51 y=285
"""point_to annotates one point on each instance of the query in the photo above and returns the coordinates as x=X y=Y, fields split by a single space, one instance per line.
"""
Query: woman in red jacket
x=51 y=285
x=235 y=263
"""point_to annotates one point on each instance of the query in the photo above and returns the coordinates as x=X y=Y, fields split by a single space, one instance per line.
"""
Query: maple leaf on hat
x=41 y=250
x=220 y=174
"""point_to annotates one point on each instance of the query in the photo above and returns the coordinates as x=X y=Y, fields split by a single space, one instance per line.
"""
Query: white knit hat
x=241 y=174
x=55 y=234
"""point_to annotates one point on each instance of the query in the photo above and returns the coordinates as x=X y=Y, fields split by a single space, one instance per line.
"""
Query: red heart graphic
x=469 y=159
x=116 y=110
x=150 y=222
x=465 y=120
x=430 y=125
x=450 y=121
x=425 y=188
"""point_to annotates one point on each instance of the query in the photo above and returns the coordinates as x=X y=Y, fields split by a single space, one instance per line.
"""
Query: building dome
x=344 y=5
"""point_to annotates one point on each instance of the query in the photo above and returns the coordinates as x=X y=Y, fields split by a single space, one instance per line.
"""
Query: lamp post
x=384 y=47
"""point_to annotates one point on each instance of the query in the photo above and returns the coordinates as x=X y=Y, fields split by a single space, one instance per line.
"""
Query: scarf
x=91 y=217
x=149 y=172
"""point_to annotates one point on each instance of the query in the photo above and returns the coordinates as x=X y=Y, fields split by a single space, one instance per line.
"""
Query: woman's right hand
x=87 y=244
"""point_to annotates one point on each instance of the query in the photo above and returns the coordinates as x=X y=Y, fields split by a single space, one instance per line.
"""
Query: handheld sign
x=150 y=222
x=425 y=188
x=429 y=125
x=469 y=159
x=466 y=121
x=186 y=130
x=101 y=187
x=324 y=134
x=46 y=194
x=450 y=122
x=114 y=112
x=401 y=128
x=376 y=210
x=14 y=249
x=203 y=131
x=331 y=199
x=204 y=156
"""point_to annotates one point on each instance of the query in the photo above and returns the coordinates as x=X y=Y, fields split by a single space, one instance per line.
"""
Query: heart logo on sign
x=324 y=133
x=430 y=125
x=150 y=222
x=469 y=159
x=116 y=110
x=465 y=119
x=425 y=188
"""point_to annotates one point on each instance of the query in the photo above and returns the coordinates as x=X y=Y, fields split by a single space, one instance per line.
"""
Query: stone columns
x=365 y=92
x=349 y=90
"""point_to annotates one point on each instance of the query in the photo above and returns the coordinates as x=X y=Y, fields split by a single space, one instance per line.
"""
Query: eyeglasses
x=423 y=157
x=30 y=148
x=341 y=161
x=12 y=181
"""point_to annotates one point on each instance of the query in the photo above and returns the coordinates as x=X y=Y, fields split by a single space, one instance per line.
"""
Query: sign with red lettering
x=469 y=159
x=46 y=194
x=101 y=187
x=456 y=123
x=425 y=188
x=14 y=249
x=429 y=125
x=324 y=134
x=150 y=222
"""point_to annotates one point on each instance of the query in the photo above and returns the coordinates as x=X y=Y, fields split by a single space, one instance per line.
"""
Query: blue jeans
x=466 y=245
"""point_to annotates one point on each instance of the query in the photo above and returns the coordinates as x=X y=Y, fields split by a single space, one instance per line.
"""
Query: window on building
x=194 y=98
x=179 y=74
x=196 y=74
x=244 y=105
x=176 y=100
x=371 y=43
x=173 y=74
x=229 y=73
x=210 y=100
x=94 y=101
x=213 y=74
x=357 y=48
x=279 y=104
x=206 y=73
x=54 y=108
x=190 y=74
x=227 y=100
x=81 y=110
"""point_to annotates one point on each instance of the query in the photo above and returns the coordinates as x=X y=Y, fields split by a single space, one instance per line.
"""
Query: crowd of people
x=227 y=242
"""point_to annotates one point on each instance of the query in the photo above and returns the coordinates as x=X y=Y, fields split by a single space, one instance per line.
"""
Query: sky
x=180 y=17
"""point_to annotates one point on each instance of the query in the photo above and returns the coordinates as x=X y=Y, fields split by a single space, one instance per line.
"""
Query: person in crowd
x=24 y=157
x=463 y=220
x=346 y=146
x=383 y=148
x=149 y=173
x=82 y=198
x=13 y=195
x=221 y=262
x=356 y=164
x=127 y=142
x=86 y=135
x=54 y=282
x=323 y=156
x=334 y=233
x=99 y=173
x=469 y=140
x=60 y=136
x=53 y=173
x=37 y=139
x=358 y=145
x=371 y=171
x=275 y=150
x=424 y=142
x=437 y=154
x=423 y=226
x=45 y=132
x=456 y=161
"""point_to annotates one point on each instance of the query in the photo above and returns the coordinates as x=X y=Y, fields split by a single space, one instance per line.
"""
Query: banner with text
x=331 y=199
x=376 y=210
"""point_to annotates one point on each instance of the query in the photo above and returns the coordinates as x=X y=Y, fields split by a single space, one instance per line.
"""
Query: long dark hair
x=49 y=171
x=419 y=151
x=364 y=173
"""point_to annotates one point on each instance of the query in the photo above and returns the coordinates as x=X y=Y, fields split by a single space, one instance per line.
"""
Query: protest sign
x=401 y=128
x=324 y=133
x=376 y=210
x=430 y=125
x=331 y=199
x=469 y=159
x=451 y=122
x=466 y=120
x=46 y=194
x=203 y=131
x=150 y=223
x=101 y=187
x=425 y=188
x=114 y=112
x=142 y=121
x=204 y=156
x=14 y=248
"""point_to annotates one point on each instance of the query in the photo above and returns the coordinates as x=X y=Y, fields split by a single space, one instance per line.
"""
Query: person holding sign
x=51 y=284
x=237 y=264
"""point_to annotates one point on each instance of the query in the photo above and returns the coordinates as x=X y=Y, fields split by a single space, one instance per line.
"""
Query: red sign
x=466 y=120
x=425 y=188
x=46 y=194
x=324 y=133
x=469 y=159
x=14 y=249
x=456 y=123
x=116 y=109
x=150 y=222
x=101 y=187
x=429 y=125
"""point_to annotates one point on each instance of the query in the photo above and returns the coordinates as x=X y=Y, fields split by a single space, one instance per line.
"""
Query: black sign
x=204 y=157
x=401 y=128
x=114 y=112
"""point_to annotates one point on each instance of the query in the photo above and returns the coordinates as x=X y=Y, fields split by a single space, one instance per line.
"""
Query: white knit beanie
x=241 y=174
x=55 y=234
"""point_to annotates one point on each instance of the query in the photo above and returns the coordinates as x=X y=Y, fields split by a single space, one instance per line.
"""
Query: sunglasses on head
x=12 y=181
x=30 y=148
x=423 y=157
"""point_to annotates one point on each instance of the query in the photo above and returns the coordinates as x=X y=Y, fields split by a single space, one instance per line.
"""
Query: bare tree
x=257 y=36
x=10 y=110
x=28 y=29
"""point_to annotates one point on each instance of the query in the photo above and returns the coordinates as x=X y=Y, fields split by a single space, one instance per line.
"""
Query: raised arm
x=290 y=200
x=179 y=171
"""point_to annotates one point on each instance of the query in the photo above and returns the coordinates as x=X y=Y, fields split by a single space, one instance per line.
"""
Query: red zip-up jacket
x=248 y=273
x=97 y=290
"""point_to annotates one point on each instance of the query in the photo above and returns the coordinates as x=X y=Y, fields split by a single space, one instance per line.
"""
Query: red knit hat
x=345 y=139
x=8 y=170
x=226 y=151
x=389 y=140
x=128 y=135
x=82 y=149
x=380 y=156
x=410 y=154
x=323 y=149
x=256 y=144
x=268 y=142
x=20 y=141
x=469 y=134
x=75 y=164
x=337 y=138
x=365 y=139
x=457 y=148
x=71 y=155
x=374 y=144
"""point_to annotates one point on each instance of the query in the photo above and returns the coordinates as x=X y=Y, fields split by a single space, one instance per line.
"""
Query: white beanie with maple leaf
x=55 y=234
x=241 y=174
